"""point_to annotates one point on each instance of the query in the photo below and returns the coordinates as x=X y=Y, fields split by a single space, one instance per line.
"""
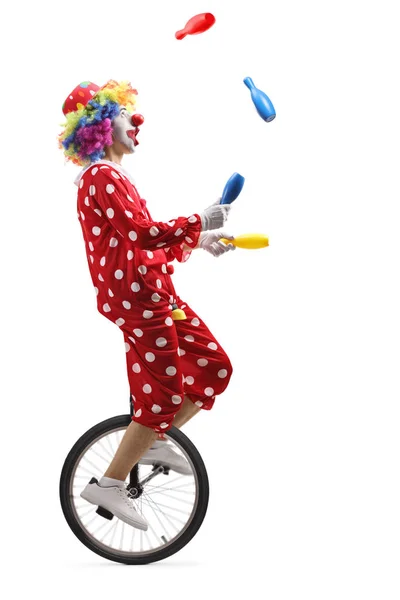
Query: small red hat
x=80 y=96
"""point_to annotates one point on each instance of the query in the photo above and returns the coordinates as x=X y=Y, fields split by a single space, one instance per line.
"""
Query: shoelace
x=127 y=497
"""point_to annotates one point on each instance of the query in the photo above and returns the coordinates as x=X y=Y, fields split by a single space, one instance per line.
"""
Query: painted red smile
x=132 y=133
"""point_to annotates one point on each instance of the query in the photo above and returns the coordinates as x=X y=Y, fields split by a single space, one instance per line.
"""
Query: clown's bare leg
x=186 y=412
x=136 y=441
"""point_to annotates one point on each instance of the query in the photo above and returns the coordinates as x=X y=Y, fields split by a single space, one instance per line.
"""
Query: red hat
x=80 y=96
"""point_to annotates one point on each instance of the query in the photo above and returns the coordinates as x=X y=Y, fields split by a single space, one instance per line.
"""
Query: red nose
x=137 y=120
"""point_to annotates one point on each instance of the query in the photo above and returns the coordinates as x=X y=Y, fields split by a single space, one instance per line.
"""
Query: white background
x=302 y=449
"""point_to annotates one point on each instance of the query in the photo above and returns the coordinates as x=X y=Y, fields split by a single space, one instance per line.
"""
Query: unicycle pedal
x=103 y=512
x=164 y=468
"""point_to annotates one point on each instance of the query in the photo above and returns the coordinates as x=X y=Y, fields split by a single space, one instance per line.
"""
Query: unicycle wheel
x=174 y=505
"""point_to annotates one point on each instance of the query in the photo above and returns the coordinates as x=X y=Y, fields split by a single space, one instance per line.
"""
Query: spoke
x=163 y=528
x=114 y=532
x=177 y=487
x=92 y=464
x=122 y=535
x=112 y=528
x=183 y=512
x=100 y=527
x=172 y=497
x=99 y=455
x=100 y=443
x=109 y=443
x=146 y=535
x=82 y=516
x=90 y=522
x=80 y=467
x=133 y=535
x=80 y=502
x=166 y=517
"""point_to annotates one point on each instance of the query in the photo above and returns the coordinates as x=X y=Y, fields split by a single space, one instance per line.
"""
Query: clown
x=175 y=365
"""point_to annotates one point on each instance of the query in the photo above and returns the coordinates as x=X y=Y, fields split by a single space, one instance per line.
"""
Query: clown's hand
x=211 y=242
x=214 y=216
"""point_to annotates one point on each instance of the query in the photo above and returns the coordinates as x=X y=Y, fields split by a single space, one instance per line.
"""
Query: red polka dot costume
x=128 y=255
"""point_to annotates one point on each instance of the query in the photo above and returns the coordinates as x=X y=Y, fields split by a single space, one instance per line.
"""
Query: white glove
x=214 y=216
x=210 y=241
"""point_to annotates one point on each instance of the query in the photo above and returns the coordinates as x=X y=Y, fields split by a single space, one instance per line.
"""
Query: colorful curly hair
x=88 y=130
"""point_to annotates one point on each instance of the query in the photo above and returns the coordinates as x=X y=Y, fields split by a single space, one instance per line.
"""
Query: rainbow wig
x=88 y=130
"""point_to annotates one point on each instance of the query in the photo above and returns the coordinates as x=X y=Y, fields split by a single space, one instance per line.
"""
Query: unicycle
x=174 y=505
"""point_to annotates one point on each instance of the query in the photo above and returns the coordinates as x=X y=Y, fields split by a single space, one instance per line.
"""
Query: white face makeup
x=124 y=131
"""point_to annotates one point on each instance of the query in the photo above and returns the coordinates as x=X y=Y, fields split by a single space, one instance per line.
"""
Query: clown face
x=124 y=131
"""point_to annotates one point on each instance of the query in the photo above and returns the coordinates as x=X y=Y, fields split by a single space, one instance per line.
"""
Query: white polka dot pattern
x=123 y=246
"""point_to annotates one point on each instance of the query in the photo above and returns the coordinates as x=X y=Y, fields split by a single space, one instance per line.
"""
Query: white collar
x=108 y=162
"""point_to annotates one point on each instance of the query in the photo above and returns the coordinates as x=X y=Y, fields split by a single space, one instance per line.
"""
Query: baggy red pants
x=171 y=359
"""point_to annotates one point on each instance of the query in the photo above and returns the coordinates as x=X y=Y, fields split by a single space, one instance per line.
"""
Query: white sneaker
x=115 y=500
x=163 y=454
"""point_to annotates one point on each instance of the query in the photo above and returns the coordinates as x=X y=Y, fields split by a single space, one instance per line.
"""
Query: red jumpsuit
x=128 y=255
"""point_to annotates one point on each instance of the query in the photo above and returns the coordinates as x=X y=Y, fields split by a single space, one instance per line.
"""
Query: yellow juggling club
x=250 y=241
